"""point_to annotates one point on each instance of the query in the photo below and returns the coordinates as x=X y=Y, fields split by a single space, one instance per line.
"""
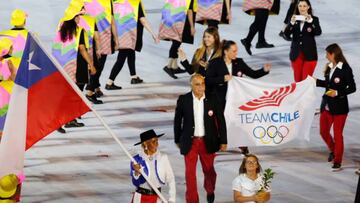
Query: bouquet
x=265 y=185
x=267 y=176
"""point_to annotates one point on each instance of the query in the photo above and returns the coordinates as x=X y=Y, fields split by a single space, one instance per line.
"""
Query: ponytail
x=226 y=44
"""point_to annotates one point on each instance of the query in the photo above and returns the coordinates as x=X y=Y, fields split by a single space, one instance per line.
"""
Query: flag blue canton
x=33 y=57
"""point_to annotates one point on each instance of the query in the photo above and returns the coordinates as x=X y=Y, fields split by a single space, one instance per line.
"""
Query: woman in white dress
x=247 y=186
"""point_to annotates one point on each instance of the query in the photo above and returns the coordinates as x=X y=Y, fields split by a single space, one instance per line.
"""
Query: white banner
x=265 y=114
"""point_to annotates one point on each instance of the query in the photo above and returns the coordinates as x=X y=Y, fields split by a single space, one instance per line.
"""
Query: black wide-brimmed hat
x=147 y=135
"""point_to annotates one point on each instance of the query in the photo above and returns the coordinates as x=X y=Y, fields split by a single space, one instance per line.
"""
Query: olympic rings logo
x=271 y=134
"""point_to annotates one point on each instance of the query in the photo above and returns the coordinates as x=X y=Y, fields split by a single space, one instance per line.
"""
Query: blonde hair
x=199 y=53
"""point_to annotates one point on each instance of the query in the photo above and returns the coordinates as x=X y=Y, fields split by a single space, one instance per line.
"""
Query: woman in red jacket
x=338 y=83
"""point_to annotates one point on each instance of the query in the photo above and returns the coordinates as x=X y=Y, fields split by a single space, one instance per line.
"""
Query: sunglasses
x=251 y=162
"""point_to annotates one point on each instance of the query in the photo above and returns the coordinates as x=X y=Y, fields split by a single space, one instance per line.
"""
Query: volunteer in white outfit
x=247 y=184
x=156 y=166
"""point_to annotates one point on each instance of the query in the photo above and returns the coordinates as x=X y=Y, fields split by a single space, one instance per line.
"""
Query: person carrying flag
x=156 y=166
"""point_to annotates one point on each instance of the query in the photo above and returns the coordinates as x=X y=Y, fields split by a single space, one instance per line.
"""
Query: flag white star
x=32 y=66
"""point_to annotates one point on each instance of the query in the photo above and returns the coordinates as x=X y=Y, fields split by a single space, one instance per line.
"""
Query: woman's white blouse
x=246 y=186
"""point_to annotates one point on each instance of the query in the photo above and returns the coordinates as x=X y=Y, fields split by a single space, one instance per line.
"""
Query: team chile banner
x=265 y=114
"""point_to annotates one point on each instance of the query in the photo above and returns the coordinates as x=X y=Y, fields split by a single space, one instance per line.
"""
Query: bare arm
x=190 y=15
x=12 y=70
x=114 y=32
x=97 y=44
x=147 y=26
x=228 y=9
x=239 y=198
x=87 y=58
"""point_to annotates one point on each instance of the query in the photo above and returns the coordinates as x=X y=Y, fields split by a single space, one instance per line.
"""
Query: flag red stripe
x=274 y=99
x=52 y=102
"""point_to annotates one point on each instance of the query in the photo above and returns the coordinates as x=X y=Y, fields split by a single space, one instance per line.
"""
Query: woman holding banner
x=338 y=83
x=222 y=69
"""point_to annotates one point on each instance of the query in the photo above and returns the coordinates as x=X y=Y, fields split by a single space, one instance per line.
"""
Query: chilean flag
x=43 y=99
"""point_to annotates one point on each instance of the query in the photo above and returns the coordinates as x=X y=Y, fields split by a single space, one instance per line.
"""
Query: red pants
x=139 y=198
x=207 y=162
x=335 y=145
x=302 y=68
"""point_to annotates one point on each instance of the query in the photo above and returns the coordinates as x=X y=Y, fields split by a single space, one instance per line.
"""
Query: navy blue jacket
x=343 y=82
x=214 y=123
x=304 y=40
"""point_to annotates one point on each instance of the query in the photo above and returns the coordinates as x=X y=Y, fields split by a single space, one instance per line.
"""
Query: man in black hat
x=156 y=166
x=200 y=131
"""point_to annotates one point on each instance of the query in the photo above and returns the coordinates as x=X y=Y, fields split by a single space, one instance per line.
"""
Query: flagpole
x=129 y=155
x=73 y=85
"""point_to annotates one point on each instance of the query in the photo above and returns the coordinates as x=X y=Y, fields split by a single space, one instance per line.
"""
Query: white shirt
x=246 y=186
x=229 y=67
x=163 y=172
x=198 y=107
x=302 y=25
x=209 y=56
x=332 y=68
x=152 y=176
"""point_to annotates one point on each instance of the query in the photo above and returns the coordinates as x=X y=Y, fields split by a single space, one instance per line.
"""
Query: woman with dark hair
x=221 y=70
x=210 y=48
x=70 y=49
x=338 y=83
x=70 y=32
x=303 y=28
x=248 y=183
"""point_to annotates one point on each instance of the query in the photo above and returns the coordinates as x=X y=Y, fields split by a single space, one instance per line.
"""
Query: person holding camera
x=303 y=27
